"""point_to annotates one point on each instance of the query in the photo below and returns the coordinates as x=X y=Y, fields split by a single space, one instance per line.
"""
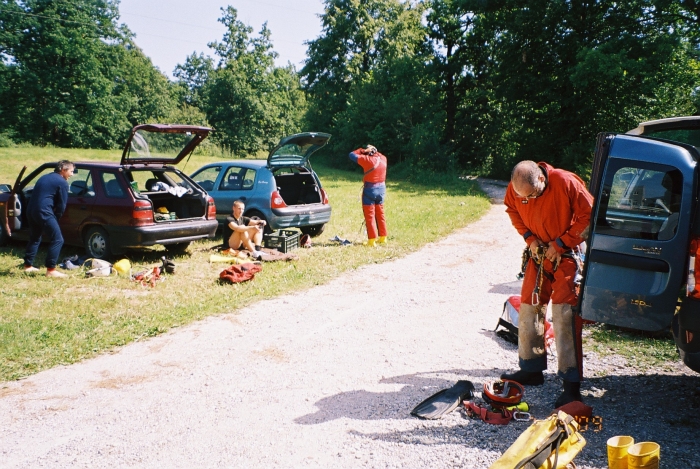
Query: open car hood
x=162 y=143
x=678 y=129
x=295 y=150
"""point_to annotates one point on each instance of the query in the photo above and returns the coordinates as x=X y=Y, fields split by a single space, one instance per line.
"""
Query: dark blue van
x=640 y=267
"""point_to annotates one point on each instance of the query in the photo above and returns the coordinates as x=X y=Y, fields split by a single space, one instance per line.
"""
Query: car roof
x=685 y=130
x=245 y=163
x=684 y=122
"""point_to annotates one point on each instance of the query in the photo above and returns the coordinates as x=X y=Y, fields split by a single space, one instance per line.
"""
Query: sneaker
x=30 y=270
x=258 y=255
x=55 y=274
x=531 y=378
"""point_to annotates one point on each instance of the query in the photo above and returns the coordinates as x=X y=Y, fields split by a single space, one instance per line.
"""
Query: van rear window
x=641 y=202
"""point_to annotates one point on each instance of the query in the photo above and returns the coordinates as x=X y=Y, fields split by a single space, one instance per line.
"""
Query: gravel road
x=327 y=378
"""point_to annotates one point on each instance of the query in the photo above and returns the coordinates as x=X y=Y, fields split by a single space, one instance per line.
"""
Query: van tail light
x=276 y=200
x=693 y=286
x=324 y=197
x=211 y=208
x=142 y=213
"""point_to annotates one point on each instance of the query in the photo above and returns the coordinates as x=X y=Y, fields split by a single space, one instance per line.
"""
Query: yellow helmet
x=123 y=267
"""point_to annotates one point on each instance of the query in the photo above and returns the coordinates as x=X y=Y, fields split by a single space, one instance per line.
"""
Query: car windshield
x=159 y=145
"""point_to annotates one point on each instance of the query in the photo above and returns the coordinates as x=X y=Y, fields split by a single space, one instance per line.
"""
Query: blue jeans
x=38 y=228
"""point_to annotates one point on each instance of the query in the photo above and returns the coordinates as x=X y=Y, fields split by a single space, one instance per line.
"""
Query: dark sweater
x=49 y=197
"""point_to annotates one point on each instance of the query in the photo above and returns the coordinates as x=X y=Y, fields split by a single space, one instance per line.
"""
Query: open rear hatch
x=289 y=162
x=162 y=143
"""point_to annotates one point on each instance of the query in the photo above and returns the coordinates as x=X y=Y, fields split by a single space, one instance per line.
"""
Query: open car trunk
x=172 y=196
x=187 y=206
x=298 y=187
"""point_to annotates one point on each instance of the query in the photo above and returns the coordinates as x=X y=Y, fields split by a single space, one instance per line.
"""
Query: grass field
x=44 y=322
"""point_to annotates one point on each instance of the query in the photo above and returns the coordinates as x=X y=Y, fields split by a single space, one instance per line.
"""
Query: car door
x=14 y=208
x=81 y=199
x=637 y=250
x=233 y=185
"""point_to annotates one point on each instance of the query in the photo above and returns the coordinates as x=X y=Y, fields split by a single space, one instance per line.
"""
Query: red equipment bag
x=240 y=273
x=509 y=322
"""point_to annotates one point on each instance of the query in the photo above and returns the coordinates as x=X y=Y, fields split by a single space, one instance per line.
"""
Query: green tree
x=249 y=101
x=367 y=79
x=74 y=77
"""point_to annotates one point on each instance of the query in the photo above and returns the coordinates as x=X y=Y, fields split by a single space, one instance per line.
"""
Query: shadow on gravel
x=510 y=288
x=367 y=405
x=660 y=408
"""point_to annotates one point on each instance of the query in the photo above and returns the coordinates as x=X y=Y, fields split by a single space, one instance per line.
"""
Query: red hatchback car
x=139 y=202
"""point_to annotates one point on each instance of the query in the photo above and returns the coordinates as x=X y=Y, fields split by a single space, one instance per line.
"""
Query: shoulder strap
x=545 y=450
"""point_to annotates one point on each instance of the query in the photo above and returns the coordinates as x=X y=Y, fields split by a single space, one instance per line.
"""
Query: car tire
x=97 y=243
x=255 y=213
x=177 y=248
x=313 y=230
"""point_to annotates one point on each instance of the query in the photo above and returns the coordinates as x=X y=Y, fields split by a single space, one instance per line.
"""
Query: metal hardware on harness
x=522 y=416
x=538 y=259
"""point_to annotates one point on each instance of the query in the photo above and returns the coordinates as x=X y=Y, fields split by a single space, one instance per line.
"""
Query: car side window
x=80 y=184
x=207 y=177
x=248 y=179
x=113 y=188
x=641 y=203
x=233 y=179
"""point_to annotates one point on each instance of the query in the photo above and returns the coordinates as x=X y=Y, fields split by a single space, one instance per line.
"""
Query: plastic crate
x=282 y=240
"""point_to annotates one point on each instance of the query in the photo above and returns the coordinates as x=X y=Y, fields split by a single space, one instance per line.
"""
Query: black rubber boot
x=572 y=392
x=531 y=378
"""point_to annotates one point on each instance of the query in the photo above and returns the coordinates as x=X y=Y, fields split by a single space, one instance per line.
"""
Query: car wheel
x=255 y=213
x=177 y=248
x=97 y=243
x=313 y=230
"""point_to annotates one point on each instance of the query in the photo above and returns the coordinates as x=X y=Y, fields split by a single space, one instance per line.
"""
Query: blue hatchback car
x=283 y=190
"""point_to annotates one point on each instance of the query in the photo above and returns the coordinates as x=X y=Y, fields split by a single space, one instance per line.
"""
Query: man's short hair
x=526 y=172
x=239 y=202
x=63 y=164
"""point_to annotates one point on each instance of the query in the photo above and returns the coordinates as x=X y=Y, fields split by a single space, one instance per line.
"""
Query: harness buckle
x=522 y=416
x=535 y=298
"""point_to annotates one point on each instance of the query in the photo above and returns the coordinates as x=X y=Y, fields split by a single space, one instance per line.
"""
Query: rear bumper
x=178 y=231
x=300 y=215
x=686 y=325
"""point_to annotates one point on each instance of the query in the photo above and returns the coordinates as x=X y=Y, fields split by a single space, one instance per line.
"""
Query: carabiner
x=522 y=416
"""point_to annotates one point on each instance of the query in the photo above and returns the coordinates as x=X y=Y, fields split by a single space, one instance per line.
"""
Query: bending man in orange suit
x=374 y=165
x=551 y=209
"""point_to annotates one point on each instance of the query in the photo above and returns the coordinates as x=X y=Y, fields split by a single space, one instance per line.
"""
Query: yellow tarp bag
x=227 y=259
x=546 y=444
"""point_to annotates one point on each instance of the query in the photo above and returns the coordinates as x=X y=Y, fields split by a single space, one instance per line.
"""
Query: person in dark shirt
x=243 y=233
x=46 y=206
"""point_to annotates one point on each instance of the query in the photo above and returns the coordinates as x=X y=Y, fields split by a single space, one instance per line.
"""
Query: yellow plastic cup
x=644 y=455
x=618 y=447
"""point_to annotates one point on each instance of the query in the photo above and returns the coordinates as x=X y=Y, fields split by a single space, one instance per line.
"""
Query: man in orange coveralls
x=374 y=165
x=551 y=209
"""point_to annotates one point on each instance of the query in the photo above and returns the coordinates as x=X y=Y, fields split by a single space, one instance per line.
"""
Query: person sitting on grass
x=246 y=234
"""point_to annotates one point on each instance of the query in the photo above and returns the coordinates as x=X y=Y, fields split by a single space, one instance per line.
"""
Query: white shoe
x=30 y=270
x=55 y=274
